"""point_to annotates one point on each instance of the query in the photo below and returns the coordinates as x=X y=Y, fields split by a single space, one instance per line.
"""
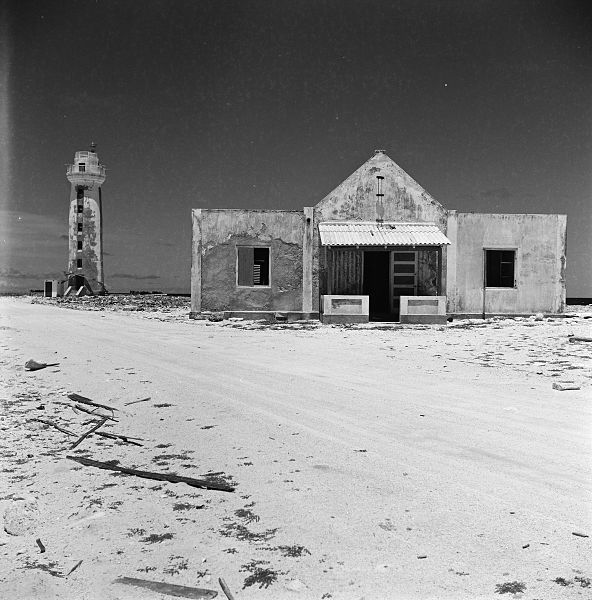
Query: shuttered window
x=253 y=266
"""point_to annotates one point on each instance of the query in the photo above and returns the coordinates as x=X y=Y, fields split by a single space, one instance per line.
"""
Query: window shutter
x=245 y=265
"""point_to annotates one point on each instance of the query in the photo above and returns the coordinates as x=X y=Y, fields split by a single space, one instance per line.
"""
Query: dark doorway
x=48 y=289
x=376 y=284
x=76 y=281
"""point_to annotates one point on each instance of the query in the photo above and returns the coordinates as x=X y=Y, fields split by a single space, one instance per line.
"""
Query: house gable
x=404 y=199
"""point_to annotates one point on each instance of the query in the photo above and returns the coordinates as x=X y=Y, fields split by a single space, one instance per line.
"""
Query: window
x=499 y=268
x=81 y=167
x=79 y=263
x=80 y=208
x=79 y=245
x=80 y=227
x=253 y=266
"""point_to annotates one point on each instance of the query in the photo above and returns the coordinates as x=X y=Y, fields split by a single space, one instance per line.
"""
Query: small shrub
x=510 y=587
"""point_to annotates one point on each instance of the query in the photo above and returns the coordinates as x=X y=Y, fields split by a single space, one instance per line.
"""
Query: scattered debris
x=136 y=401
x=89 y=432
x=170 y=477
x=48 y=568
x=225 y=589
x=180 y=591
x=40 y=544
x=579 y=534
x=73 y=568
x=525 y=546
x=32 y=365
x=248 y=515
x=114 y=436
x=84 y=400
x=293 y=551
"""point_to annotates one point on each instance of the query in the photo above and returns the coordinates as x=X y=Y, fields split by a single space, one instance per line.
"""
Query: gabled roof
x=362 y=183
x=372 y=233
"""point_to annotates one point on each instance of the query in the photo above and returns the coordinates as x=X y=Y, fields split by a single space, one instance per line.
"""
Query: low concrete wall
x=345 y=308
x=423 y=309
x=540 y=244
x=216 y=235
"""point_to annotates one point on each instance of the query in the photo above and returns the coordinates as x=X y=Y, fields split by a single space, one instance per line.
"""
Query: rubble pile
x=121 y=302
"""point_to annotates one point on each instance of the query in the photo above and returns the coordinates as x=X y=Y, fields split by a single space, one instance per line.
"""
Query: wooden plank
x=84 y=400
x=136 y=401
x=113 y=436
x=94 y=414
x=225 y=589
x=180 y=591
x=89 y=432
x=55 y=425
x=170 y=477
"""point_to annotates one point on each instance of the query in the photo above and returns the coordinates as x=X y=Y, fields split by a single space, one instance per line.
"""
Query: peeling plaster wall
x=92 y=252
x=355 y=200
x=427 y=280
x=540 y=241
x=222 y=231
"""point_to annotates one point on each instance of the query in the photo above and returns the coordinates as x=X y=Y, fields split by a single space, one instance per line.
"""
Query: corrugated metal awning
x=373 y=233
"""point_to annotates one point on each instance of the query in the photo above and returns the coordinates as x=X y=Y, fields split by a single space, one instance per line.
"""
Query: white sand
x=368 y=447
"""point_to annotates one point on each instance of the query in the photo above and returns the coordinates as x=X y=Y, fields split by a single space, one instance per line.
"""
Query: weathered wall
x=540 y=241
x=427 y=280
x=92 y=252
x=355 y=200
x=221 y=232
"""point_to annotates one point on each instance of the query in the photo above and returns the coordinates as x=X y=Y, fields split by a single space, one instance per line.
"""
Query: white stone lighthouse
x=85 y=256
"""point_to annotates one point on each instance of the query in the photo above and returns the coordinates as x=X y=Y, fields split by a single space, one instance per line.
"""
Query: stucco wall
x=355 y=200
x=220 y=232
x=540 y=243
x=92 y=251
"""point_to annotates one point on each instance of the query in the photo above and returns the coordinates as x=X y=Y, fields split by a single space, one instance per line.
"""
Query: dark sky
x=271 y=104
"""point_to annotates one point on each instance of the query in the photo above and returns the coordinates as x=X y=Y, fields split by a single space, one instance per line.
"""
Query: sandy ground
x=369 y=462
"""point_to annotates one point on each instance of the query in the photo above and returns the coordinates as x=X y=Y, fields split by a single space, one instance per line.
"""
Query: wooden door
x=404 y=276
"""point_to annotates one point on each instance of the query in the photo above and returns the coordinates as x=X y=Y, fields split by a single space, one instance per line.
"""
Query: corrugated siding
x=363 y=233
x=346 y=271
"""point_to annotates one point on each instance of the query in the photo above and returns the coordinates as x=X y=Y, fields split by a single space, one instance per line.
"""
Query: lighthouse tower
x=85 y=256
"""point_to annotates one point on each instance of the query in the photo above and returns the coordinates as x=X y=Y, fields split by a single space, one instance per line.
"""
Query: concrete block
x=423 y=309
x=345 y=309
x=564 y=386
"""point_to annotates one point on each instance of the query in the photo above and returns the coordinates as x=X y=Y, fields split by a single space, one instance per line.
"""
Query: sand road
x=407 y=463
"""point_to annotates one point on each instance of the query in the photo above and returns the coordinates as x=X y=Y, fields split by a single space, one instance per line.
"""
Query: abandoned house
x=377 y=246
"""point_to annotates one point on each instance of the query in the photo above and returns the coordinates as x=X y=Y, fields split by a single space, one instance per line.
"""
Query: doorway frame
x=328 y=260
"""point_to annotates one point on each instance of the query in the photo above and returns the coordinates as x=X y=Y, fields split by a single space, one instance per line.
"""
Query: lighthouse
x=85 y=253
